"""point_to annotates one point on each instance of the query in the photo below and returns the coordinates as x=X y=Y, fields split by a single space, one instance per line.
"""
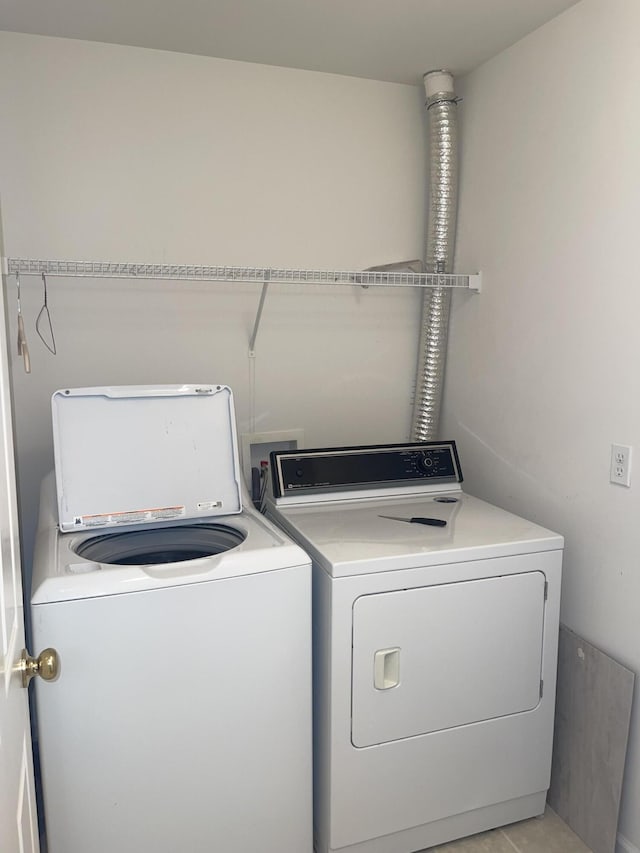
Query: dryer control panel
x=363 y=468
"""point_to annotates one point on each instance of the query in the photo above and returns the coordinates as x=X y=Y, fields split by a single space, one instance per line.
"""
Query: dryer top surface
x=352 y=537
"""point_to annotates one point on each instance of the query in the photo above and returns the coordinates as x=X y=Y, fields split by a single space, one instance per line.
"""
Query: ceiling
x=393 y=40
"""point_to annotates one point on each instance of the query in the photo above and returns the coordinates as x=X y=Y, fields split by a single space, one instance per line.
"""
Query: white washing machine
x=181 y=718
x=435 y=643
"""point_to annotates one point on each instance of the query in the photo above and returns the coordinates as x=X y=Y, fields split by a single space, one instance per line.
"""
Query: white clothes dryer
x=435 y=643
x=181 y=716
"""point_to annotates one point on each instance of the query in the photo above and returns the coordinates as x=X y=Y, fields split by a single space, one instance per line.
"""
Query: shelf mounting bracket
x=256 y=325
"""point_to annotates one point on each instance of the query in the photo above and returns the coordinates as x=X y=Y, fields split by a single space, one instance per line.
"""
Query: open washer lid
x=143 y=454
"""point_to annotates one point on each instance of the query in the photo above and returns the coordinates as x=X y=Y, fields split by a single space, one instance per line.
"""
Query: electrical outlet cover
x=620 y=467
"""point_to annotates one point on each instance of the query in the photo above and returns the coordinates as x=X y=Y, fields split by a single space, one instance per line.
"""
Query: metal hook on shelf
x=23 y=348
x=45 y=316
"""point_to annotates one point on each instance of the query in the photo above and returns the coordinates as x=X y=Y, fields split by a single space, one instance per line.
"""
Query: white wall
x=544 y=366
x=123 y=154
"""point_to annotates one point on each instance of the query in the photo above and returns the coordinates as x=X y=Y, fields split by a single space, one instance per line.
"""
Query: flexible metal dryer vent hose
x=443 y=167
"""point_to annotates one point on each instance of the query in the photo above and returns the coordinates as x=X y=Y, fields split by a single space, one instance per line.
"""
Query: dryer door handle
x=386 y=668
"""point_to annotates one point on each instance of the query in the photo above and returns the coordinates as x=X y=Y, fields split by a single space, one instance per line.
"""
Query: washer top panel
x=144 y=455
x=90 y=563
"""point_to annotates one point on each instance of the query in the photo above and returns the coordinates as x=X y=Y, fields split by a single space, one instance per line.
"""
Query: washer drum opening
x=160 y=545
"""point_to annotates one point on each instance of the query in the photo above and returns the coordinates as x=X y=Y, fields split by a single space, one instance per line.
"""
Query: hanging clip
x=23 y=348
x=45 y=317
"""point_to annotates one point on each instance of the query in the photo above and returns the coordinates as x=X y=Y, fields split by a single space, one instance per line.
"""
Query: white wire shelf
x=258 y=275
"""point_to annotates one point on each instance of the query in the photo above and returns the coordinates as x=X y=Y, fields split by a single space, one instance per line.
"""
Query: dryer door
x=450 y=655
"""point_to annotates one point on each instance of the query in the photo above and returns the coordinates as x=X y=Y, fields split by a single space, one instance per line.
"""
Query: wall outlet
x=620 y=471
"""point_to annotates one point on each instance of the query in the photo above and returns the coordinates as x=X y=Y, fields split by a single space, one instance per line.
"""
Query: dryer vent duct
x=443 y=168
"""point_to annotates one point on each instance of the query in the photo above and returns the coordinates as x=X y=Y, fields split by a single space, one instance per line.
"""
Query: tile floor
x=545 y=834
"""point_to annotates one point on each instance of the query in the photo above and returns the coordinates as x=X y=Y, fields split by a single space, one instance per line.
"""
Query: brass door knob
x=46 y=665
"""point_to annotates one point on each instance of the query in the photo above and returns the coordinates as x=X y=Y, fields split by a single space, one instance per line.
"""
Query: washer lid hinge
x=546 y=590
x=541 y=687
